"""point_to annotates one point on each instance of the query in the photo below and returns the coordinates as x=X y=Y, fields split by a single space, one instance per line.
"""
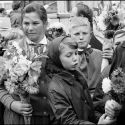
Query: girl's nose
x=75 y=58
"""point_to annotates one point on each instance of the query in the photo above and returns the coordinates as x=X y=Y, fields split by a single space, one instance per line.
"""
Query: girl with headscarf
x=68 y=91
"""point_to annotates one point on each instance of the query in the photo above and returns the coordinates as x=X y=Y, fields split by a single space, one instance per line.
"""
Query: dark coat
x=118 y=59
x=41 y=108
x=70 y=99
x=95 y=43
x=99 y=99
x=42 y=113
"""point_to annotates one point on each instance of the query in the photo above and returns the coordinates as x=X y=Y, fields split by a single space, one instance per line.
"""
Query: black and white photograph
x=62 y=62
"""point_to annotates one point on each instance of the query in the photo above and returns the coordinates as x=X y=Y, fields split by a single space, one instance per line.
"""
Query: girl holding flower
x=68 y=91
x=34 y=23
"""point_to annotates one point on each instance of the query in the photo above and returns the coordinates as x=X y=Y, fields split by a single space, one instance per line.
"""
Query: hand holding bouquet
x=115 y=88
x=19 y=73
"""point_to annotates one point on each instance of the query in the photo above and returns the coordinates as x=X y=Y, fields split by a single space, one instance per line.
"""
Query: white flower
x=106 y=85
x=14 y=59
x=23 y=60
x=8 y=64
x=15 y=44
x=10 y=86
x=100 y=20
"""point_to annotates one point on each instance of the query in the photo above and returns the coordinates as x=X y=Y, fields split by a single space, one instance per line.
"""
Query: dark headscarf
x=53 y=63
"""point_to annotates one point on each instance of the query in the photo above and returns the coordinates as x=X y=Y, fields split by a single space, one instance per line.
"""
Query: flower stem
x=26 y=99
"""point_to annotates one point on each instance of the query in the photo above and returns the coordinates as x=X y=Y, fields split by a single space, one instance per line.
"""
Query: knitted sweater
x=91 y=69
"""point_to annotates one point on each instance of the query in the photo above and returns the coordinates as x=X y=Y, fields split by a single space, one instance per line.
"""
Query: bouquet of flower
x=115 y=87
x=19 y=72
x=110 y=20
x=55 y=30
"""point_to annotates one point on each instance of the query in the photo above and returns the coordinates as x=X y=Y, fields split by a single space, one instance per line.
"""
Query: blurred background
x=59 y=11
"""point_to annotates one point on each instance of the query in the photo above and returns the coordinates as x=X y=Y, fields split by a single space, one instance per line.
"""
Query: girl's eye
x=85 y=33
x=69 y=54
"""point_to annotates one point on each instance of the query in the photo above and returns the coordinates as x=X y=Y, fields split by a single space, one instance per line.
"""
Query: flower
x=106 y=85
x=110 y=20
x=115 y=86
x=10 y=86
x=19 y=72
x=2 y=67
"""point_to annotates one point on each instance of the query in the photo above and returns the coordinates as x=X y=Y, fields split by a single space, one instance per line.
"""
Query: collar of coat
x=71 y=77
x=66 y=76
x=123 y=44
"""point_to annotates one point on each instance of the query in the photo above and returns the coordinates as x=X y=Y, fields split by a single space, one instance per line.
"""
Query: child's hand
x=112 y=108
x=109 y=109
x=22 y=108
x=105 y=121
x=107 y=53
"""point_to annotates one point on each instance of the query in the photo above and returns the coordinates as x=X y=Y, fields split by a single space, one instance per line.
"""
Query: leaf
x=36 y=66
x=2 y=67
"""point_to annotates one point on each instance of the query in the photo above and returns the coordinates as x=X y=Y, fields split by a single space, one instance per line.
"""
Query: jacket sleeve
x=5 y=97
x=99 y=98
x=62 y=108
x=118 y=58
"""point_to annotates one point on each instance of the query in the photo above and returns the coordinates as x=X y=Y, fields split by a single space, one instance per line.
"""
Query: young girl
x=68 y=91
x=34 y=22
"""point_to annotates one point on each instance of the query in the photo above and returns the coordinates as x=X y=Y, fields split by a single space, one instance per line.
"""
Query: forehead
x=66 y=49
x=33 y=16
x=83 y=28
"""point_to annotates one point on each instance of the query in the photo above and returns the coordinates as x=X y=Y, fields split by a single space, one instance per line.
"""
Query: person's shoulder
x=96 y=52
x=55 y=84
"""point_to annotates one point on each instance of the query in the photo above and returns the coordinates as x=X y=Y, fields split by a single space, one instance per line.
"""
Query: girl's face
x=33 y=27
x=69 y=58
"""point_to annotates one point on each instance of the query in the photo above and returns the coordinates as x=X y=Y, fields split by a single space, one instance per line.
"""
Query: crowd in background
x=70 y=82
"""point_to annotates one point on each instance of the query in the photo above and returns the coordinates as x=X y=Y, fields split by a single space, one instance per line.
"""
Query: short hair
x=79 y=21
x=85 y=11
x=38 y=8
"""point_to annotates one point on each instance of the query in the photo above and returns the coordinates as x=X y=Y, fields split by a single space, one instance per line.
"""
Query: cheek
x=88 y=37
x=40 y=29
x=76 y=38
x=64 y=61
x=25 y=29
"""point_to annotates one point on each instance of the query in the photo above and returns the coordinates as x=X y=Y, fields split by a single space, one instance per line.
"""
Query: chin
x=82 y=46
